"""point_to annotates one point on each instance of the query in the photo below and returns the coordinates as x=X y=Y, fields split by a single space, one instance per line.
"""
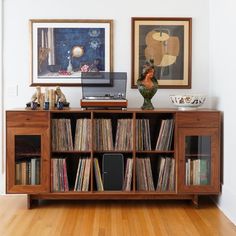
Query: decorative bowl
x=188 y=101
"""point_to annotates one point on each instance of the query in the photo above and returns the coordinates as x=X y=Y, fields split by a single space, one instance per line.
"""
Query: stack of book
x=28 y=172
x=61 y=135
x=82 y=135
x=144 y=174
x=165 y=136
x=197 y=171
x=83 y=174
x=59 y=175
x=166 y=177
x=124 y=135
x=143 y=139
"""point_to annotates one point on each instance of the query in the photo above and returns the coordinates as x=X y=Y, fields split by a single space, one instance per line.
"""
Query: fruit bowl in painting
x=188 y=101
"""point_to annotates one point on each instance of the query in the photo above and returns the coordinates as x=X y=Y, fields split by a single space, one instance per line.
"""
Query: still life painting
x=62 y=49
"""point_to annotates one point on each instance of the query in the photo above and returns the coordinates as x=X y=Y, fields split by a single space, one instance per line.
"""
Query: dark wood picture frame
x=167 y=41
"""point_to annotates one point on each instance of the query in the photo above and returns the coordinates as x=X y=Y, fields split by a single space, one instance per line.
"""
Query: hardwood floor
x=111 y=218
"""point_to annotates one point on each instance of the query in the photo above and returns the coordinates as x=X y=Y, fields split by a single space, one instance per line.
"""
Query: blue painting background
x=92 y=40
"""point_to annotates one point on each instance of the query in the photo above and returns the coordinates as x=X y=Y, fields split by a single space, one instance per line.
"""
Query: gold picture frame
x=166 y=41
x=61 y=49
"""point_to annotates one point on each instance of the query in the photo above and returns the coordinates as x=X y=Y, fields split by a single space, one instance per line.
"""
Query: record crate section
x=155 y=132
x=70 y=172
x=71 y=132
x=152 y=173
x=127 y=183
x=155 y=172
x=145 y=140
x=73 y=173
x=113 y=131
x=71 y=151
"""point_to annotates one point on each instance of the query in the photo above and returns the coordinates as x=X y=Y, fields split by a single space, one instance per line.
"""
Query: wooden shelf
x=71 y=152
x=28 y=154
x=112 y=151
x=110 y=196
x=197 y=155
x=155 y=152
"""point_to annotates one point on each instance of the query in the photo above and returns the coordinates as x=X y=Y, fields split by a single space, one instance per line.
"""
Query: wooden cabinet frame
x=45 y=168
x=199 y=122
x=213 y=187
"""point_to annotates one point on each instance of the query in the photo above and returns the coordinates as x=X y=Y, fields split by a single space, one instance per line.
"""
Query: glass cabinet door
x=199 y=161
x=28 y=165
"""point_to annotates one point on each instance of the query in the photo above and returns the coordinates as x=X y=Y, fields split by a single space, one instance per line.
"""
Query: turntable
x=104 y=90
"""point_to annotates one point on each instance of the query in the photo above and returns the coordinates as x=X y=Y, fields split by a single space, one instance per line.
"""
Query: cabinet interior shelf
x=156 y=151
x=113 y=151
x=114 y=192
x=70 y=152
x=20 y=155
x=197 y=155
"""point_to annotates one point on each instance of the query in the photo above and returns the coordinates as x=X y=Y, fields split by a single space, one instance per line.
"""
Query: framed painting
x=167 y=43
x=62 y=49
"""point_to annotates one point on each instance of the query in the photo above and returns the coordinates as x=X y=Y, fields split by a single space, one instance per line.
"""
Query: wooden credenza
x=167 y=154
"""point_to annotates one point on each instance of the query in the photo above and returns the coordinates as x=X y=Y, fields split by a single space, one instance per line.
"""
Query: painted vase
x=147 y=85
x=147 y=93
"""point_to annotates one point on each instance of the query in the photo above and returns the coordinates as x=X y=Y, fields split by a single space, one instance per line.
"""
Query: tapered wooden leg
x=195 y=201
x=29 y=201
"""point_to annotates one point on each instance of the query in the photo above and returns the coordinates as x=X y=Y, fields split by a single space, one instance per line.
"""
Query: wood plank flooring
x=111 y=218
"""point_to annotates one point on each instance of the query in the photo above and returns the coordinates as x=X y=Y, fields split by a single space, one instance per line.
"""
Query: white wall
x=1 y=103
x=16 y=41
x=223 y=84
x=16 y=47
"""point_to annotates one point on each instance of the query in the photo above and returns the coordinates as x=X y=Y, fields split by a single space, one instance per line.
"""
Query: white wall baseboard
x=226 y=202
